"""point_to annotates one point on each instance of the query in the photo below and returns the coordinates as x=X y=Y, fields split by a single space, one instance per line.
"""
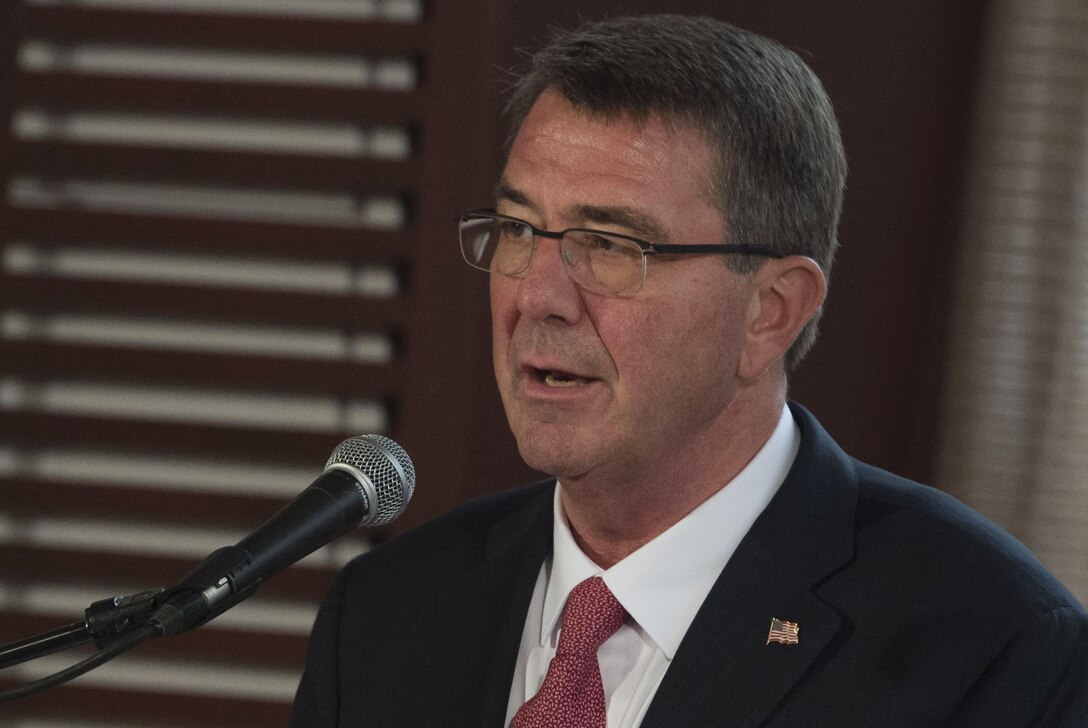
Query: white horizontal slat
x=372 y=281
x=234 y=65
x=114 y=537
x=194 y=405
x=207 y=132
x=32 y=722
x=229 y=475
x=320 y=344
x=66 y=604
x=396 y=10
x=230 y=203
x=191 y=541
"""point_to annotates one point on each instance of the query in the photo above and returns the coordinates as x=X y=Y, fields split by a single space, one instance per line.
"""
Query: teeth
x=554 y=381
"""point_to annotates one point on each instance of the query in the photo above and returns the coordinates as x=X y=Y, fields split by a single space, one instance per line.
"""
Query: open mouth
x=558 y=378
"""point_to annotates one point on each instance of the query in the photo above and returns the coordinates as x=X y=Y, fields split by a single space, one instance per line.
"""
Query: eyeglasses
x=597 y=261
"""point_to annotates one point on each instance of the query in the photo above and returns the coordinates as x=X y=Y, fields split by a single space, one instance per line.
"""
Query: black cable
x=123 y=643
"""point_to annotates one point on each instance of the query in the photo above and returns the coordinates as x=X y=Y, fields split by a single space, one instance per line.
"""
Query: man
x=658 y=258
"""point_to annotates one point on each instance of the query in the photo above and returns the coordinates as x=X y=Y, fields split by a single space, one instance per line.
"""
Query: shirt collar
x=663 y=584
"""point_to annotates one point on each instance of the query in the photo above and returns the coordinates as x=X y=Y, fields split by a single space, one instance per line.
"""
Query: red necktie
x=572 y=695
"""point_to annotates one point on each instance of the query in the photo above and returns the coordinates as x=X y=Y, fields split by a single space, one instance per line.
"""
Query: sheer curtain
x=1015 y=422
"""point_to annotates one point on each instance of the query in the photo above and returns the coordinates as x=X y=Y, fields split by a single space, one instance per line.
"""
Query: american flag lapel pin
x=782 y=632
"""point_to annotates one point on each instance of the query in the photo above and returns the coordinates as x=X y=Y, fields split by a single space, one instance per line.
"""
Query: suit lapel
x=481 y=615
x=725 y=672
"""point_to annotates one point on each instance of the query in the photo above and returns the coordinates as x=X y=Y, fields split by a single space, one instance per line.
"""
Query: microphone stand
x=120 y=623
x=104 y=620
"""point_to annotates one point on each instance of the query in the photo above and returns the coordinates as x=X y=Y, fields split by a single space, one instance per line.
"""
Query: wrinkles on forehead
x=676 y=132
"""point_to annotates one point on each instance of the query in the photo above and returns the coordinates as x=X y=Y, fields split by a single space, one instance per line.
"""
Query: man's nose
x=546 y=289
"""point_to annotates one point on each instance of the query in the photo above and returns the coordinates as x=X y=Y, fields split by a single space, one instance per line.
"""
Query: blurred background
x=227 y=243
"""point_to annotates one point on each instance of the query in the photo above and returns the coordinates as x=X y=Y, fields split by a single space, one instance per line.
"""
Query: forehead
x=563 y=154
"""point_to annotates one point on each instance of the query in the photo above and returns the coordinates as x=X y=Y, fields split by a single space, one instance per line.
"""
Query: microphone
x=368 y=481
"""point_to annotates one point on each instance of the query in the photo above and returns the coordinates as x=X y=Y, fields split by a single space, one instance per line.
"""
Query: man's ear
x=786 y=294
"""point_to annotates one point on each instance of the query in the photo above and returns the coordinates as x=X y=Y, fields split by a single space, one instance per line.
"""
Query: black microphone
x=368 y=481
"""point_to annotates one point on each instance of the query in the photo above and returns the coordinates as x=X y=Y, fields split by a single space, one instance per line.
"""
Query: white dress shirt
x=662 y=585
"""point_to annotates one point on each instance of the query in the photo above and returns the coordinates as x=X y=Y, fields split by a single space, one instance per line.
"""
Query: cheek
x=503 y=308
x=642 y=345
x=679 y=348
x=503 y=319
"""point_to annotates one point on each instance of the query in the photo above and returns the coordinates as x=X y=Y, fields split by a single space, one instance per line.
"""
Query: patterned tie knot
x=592 y=616
x=572 y=694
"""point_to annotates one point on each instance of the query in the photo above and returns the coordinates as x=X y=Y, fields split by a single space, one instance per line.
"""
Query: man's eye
x=511 y=228
x=603 y=244
x=595 y=244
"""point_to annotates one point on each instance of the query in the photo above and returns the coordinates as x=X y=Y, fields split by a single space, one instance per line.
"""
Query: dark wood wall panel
x=287 y=32
x=47 y=293
x=186 y=166
x=58 y=91
x=255 y=237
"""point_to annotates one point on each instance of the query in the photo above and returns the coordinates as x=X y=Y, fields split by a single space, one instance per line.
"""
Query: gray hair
x=781 y=170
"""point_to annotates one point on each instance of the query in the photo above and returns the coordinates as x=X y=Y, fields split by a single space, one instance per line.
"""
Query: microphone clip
x=107 y=618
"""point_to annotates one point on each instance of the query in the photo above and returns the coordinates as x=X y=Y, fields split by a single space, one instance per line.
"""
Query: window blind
x=218 y=258
x=1016 y=403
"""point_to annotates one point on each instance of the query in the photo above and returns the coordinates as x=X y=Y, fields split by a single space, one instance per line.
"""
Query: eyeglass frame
x=645 y=247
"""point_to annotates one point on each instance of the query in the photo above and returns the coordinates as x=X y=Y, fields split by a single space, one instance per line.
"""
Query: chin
x=542 y=459
x=551 y=452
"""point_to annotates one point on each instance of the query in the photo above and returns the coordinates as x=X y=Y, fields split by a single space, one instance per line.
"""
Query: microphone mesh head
x=387 y=466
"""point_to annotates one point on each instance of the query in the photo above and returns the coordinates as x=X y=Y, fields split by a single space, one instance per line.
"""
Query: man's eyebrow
x=637 y=222
x=505 y=191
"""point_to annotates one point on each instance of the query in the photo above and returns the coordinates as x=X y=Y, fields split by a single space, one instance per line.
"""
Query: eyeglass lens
x=596 y=261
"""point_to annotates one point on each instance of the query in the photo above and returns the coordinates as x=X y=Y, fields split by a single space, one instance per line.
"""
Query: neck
x=611 y=515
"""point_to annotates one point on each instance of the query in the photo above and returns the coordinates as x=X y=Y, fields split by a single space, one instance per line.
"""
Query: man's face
x=597 y=385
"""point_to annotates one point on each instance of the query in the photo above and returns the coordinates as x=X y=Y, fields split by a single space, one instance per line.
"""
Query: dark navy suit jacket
x=912 y=611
